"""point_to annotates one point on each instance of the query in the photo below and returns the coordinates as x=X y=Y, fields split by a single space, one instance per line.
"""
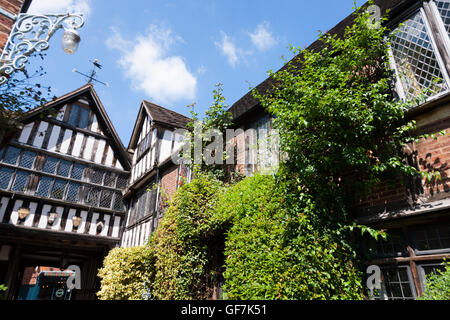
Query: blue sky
x=174 y=52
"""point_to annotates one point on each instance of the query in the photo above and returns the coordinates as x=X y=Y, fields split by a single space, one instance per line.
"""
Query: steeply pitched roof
x=248 y=103
x=89 y=93
x=166 y=116
x=159 y=115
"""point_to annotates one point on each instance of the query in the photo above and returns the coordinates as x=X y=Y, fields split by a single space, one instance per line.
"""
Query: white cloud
x=229 y=49
x=61 y=6
x=262 y=38
x=147 y=63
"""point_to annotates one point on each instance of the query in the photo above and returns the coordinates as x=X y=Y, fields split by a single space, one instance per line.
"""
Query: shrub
x=273 y=252
x=125 y=272
x=438 y=285
x=187 y=243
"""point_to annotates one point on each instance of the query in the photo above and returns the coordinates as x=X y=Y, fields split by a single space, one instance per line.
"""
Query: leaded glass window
x=122 y=181
x=118 y=201
x=110 y=179
x=5 y=177
x=72 y=191
x=106 y=198
x=50 y=165
x=64 y=168
x=27 y=159
x=79 y=117
x=416 y=59
x=77 y=171
x=97 y=176
x=44 y=186
x=444 y=10
x=20 y=181
x=11 y=155
x=58 y=189
x=93 y=196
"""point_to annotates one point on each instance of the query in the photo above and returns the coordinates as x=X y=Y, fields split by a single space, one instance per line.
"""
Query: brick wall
x=430 y=156
x=6 y=23
x=169 y=181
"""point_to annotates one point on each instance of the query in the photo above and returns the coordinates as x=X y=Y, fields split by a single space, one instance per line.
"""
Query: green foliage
x=125 y=272
x=275 y=253
x=438 y=285
x=337 y=117
x=217 y=119
x=187 y=243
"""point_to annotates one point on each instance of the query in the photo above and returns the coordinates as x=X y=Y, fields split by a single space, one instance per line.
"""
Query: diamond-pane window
x=44 y=186
x=58 y=189
x=64 y=168
x=444 y=9
x=122 y=181
x=106 y=198
x=50 y=165
x=118 y=201
x=72 y=191
x=20 y=181
x=97 y=176
x=77 y=171
x=110 y=179
x=27 y=159
x=415 y=59
x=11 y=155
x=93 y=196
x=5 y=177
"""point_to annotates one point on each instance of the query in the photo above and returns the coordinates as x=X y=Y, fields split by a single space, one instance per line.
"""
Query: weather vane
x=91 y=77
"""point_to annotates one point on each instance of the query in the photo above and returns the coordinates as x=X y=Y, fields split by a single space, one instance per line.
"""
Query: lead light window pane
x=58 y=189
x=5 y=177
x=77 y=171
x=11 y=155
x=72 y=192
x=50 y=165
x=27 y=159
x=64 y=168
x=20 y=181
x=415 y=59
x=444 y=9
x=44 y=186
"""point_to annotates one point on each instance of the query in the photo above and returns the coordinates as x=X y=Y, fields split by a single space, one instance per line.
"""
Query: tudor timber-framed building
x=61 y=185
x=415 y=214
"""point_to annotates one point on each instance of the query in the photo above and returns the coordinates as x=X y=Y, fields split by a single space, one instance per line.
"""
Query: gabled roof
x=241 y=108
x=166 y=116
x=87 y=92
x=158 y=115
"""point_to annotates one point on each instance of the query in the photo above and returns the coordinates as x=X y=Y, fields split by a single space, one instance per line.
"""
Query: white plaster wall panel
x=93 y=228
x=109 y=157
x=69 y=222
x=104 y=232
x=99 y=153
x=26 y=131
x=77 y=145
x=94 y=126
x=29 y=219
x=88 y=149
x=166 y=145
x=53 y=138
x=3 y=204
x=118 y=165
x=57 y=224
x=61 y=112
x=66 y=141
x=82 y=225
x=13 y=219
x=40 y=134
x=116 y=227
x=44 y=216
